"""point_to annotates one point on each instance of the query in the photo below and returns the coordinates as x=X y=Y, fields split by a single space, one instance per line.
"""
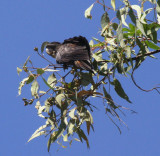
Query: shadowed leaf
x=118 y=88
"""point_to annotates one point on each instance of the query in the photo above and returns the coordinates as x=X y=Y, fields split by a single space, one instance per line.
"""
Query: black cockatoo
x=73 y=51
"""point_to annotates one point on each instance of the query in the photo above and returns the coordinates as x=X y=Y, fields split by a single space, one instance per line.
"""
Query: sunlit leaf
x=96 y=39
x=36 y=135
x=50 y=70
x=113 y=4
x=91 y=43
x=65 y=138
x=59 y=98
x=138 y=9
x=42 y=92
x=158 y=11
x=19 y=70
x=22 y=83
x=77 y=139
x=34 y=89
x=70 y=128
x=142 y=19
x=38 y=132
x=128 y=51
x=140 y=27
x=52 y=80
x=122 y=14
x=71 y=113
x=88 y=12
x=40 y=110
x=47 y=105
x=97 y=57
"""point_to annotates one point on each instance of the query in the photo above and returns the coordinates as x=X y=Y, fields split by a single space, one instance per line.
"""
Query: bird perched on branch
x=73 y=51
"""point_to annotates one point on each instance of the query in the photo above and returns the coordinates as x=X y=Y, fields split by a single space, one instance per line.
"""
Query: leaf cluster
x=67 y=106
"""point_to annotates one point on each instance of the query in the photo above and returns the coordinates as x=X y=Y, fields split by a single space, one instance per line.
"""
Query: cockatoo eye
x=51 y=52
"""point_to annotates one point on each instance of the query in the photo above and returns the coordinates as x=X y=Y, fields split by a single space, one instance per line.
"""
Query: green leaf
x=113 y=4
x=109 y=98
x=52 y=139
x=88 y=125
x=152 y=45
x=82 y=135
x=120 y=35
x=34 y=89
x=105 y=20
x=96 y=39
x=31 y=78
x=132 y=16
x=86 y=79
x=118 y=88
x=153 y=35
x=47 y=84
x=115 y=26
x=19 y=70
x=141 y=46
x=43 y=46
x=21 y=84
x=140 y=27
x=88 y=12
x=40 y=71
x=49 y=143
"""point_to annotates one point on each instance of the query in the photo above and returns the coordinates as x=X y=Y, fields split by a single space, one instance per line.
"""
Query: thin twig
x=154 y=88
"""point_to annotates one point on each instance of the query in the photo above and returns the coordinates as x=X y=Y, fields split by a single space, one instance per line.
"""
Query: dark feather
x=74 y=50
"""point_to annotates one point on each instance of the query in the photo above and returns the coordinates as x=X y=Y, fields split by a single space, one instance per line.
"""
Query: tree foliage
x=128 y=39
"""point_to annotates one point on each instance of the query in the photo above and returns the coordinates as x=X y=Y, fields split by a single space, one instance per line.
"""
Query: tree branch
x=142 y=55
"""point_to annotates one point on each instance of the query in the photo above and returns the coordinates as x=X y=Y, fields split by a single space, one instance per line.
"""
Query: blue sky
x=26 y=24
